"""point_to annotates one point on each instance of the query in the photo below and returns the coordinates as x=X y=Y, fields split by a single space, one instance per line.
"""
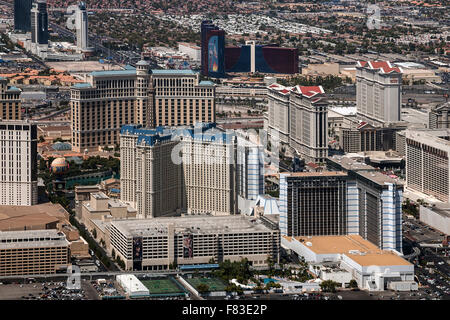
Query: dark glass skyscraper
x=313 y=203
x=22 y=15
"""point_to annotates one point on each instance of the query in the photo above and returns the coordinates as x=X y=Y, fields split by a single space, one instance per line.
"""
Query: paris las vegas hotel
x=152 y=98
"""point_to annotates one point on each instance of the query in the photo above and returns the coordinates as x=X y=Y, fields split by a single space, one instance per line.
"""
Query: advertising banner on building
x=188 y=246
x=137 y=253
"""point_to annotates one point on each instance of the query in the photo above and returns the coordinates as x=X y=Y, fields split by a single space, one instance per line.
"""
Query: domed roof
x=59 y=162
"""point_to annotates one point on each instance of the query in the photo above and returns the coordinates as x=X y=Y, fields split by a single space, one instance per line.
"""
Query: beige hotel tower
x=152 y=98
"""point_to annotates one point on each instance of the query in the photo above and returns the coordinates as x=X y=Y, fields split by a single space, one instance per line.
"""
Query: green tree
x=353 y=284
x=94 y=233
x=272 y=284
x=202 y=288
x=328 y=286
x=233 y=288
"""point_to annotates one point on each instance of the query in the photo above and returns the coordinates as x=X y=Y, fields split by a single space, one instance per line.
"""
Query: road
x=94 y=41
x=98 y=275
x=53 y=114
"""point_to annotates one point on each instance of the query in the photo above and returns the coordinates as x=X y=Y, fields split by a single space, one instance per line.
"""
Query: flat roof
x=131 y=283
x=51 y=209
x=27 y=221
x=430 y=137
x=99 y=196
x=337 y=244
x=173 y=72
x=315 y=174
x=379 y=177
x=127 y=72
x=31 y=239
x=355 y=247
x=442 y=209
x=384 y=258
x=345 y=111
x=349 y=163
x=206 y=83
x=192 y=224
x=82 y=85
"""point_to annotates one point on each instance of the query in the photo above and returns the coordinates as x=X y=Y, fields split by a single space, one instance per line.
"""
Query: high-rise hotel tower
x=110 y=99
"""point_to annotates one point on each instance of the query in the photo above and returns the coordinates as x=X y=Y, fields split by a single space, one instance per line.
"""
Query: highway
x=98 y=275
x=58 y=112
x=94 y=41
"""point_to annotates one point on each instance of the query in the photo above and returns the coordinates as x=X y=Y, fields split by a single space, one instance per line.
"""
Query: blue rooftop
x=13 y=89
x=199 y=266
x=137 y=129
x=128 y=72
x=81 y=85
x=173 y=71
x=206 y=83
x=201 y=131
x=153 y=139
x=131 y=71
x=128 y=67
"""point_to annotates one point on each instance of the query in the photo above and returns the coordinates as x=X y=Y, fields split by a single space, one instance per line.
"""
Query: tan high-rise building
x=186 y=169
x=439 y=116
x=378 y=92
x=10 y=103
x=110 y=99
x=33 y=252
x=18 y=163
x=308 y=123
x=190 y=169
x=298 y=116
x=427 y=164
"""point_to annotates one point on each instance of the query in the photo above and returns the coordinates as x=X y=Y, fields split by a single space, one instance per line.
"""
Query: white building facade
x=298 y=116
x=81 y=21
x=18 y=158
x=427 y=164
x=378 y=91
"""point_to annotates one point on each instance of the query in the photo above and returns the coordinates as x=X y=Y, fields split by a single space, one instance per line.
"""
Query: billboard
x=213 y=54
x=137 y=253
x=188 y=246
x=216 y=53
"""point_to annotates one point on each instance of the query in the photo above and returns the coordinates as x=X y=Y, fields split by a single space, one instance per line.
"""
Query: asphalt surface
x=432 y=265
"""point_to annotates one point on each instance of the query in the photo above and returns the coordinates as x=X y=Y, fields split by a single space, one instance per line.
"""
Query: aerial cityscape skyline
x=224 y=150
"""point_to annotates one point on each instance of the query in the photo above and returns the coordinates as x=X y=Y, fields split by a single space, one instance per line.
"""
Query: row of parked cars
x=55 y=291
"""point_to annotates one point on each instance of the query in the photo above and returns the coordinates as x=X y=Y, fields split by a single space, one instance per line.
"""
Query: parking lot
x=41 y=291
x=107 y=289
x=420 y=232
